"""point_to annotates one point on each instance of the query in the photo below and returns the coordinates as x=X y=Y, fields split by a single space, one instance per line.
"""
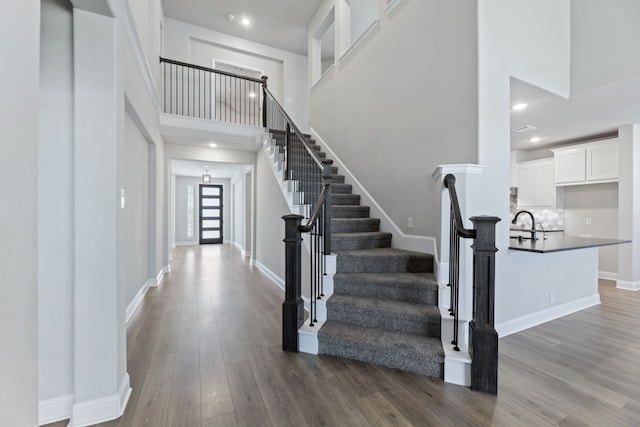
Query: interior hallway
x=204 y=350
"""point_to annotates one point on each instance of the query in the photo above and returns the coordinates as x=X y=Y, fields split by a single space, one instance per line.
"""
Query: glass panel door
x=210 y=214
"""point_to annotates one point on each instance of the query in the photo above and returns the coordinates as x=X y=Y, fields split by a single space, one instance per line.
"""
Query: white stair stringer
x=457 y=364
x=308 y=335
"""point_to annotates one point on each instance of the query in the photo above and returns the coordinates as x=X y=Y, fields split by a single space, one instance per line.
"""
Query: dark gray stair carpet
x=414 y=353
x=354 y=225
x=409 y=287
x=384 y=307
x=383 y=260
x=364 y=240
x=389 y=315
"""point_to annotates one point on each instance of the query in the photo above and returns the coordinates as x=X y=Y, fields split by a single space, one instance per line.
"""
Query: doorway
x=211 y=216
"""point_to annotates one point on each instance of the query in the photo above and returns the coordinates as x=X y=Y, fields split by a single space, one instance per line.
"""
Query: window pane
x=211 y=234
x=212 y=223
x=211 y=202
x=210 y=191
x=209 y=213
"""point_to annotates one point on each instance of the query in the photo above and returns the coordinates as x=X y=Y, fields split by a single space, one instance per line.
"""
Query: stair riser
x=348 y=199
x=423 y=295
x=355 y=225
x=350 y=212
x=347 y=243
x=373 y=319
x=374 y=264
x=375 y=356
x=341 y=189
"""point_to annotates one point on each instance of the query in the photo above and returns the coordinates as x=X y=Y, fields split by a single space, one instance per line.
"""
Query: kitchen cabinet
x=589 y=163
x=536 y=184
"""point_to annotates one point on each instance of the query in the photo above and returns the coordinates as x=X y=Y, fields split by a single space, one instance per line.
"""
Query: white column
x=19 y=47
x=629 y=207
x=101 y=383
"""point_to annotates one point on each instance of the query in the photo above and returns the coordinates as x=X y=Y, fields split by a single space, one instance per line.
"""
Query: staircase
x=384 y=306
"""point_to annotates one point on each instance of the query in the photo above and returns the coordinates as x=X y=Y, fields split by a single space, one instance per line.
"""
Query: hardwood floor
x=204 y=350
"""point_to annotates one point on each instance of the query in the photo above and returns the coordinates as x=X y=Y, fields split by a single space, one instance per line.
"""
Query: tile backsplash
x=551 y=219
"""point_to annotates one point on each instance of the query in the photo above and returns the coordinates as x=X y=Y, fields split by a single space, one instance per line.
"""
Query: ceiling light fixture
x=535 y=139
x=213 y=145
x=206 y=178
x=246 y=22
x=230 y=17
x=519 y=106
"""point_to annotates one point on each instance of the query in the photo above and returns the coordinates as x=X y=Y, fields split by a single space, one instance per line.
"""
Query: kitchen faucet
x=533 y=223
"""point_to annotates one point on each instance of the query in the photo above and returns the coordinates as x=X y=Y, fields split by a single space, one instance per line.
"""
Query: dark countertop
x=558 y=243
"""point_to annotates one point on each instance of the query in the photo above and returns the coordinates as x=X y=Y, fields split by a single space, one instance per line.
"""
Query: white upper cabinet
x=587 y=163
x=536 y=184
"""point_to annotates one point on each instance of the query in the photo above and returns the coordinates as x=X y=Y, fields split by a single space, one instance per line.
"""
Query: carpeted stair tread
x=354 y=225
x=383 y=260
x=349 y=211
x=345 y=199
x=341 y=188
x=364 y=240
x=384 y=314
x=409 y=287
x=413 y=353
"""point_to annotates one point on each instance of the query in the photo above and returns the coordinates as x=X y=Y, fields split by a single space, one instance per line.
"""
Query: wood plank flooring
x=204 y=351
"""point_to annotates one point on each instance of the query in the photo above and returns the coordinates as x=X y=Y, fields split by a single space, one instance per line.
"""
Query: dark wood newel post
x=326 y=180
x=482 y=334
x=264 y=101
x=292 y=307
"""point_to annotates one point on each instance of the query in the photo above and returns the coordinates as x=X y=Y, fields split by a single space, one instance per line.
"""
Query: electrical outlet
x=587 y=221
x=410 y=223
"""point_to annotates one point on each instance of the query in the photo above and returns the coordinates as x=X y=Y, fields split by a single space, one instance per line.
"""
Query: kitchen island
x=560 y=242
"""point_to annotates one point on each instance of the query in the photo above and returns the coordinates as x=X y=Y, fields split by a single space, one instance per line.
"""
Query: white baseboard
x=629 y=286
x=133 y=305
x=239 y=247
x=457 y=366
x=194 y=243
x=53 y=410
x=607 y=275
x=400 y=240
x=101 y=410
x=525 y=322
x=166 y=269
x=270 y=274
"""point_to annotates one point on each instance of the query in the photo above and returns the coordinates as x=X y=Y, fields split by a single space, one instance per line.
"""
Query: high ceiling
x=277 y=23
x=581 y=117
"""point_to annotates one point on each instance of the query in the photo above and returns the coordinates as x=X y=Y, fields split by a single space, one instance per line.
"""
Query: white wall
x=529 y=40
x=239 y=222
x=286 y=71
x=599 y=203
x=55 y=197
x=19 y=47
x=605 y=39
x=404 y=102
x=133 y=232
x=270 y=207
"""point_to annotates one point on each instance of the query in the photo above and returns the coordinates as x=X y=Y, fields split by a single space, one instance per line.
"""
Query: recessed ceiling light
x=535 y=139
x=230 y=17
x=252 y=94
x=519 y=106
x=213 y=145
x=246 y=22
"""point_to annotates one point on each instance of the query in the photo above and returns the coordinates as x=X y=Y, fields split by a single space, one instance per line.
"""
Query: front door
x=210 y=214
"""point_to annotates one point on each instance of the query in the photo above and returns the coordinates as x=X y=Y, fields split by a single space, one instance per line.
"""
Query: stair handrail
x=483 y=340
x=292 y=125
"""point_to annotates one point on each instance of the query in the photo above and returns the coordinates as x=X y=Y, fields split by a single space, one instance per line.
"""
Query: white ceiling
x=581 y=117
x=277 y=23
x=197 y=168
